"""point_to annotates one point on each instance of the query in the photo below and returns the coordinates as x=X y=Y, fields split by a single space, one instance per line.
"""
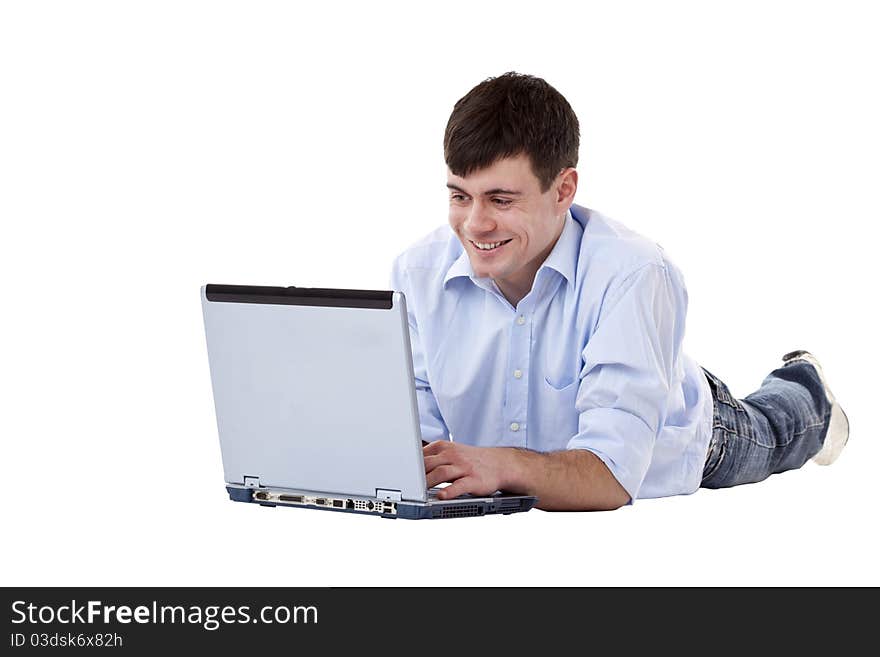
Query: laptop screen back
x=313 y=389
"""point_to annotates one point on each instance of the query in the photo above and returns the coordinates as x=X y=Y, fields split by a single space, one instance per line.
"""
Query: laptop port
x=349 y=504
x=291 y=498
x=337 y=504
x=370 y=505
x=320 y=501
x=261 y=496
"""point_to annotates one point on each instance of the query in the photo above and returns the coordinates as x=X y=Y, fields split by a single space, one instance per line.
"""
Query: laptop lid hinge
x=388 y=494
x=252 y=482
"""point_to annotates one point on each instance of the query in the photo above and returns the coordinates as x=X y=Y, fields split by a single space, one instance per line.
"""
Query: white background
x=147 y=148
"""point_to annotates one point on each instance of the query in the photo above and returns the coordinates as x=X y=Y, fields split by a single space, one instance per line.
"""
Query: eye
x=458 y=198
x=502 y=202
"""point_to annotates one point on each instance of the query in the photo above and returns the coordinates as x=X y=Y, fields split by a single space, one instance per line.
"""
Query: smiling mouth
x=488 y=247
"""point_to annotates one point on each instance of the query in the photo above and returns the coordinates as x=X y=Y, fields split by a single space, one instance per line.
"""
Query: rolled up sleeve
x=431 y=421
x=628 y=367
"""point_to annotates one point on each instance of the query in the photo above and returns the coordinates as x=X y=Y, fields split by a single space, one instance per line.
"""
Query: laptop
x=316 y=404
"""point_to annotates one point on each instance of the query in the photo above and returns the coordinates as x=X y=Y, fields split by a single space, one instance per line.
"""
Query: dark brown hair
x=510 y=115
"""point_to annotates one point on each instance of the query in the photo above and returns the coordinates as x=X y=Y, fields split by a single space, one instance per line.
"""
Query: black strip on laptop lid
x=299 y=296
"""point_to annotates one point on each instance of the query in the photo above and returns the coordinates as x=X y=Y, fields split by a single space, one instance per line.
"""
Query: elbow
x=594 y=503
x=611 y=500
x=618 y=500
x=607 y=493
x=615 y=495
x=579 y=481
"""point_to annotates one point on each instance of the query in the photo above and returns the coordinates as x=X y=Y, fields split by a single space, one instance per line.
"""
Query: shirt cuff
x=622 y=441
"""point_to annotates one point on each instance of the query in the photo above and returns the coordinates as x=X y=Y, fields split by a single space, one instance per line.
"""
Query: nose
x=479 y=220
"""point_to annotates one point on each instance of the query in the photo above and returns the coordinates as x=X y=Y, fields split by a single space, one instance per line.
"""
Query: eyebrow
x=497 y=190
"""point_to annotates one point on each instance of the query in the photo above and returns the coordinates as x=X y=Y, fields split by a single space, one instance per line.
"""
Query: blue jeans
x=779 y=427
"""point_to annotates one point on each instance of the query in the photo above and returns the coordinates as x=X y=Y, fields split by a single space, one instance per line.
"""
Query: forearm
x=571 y=480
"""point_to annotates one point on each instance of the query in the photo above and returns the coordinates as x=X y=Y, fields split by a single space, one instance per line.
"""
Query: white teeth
x=487 y=247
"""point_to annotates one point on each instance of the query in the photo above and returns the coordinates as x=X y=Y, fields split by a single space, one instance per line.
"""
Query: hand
x=475 y=470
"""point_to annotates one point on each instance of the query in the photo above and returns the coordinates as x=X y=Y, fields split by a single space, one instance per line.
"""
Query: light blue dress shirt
x=591 y=358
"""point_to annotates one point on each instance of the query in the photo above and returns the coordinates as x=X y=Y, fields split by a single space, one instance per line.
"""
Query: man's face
x=503 y=203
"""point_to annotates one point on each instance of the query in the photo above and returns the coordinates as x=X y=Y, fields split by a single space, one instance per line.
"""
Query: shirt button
x=520 y=320
x=517 y=374
x=514 y=426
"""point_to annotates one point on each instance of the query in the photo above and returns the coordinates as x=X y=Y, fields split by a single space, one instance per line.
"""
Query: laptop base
x=461 y=507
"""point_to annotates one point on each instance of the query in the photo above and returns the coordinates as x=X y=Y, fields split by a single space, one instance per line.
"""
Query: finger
x=436 y=447
x=458 y=487
x=432 y=462
x=443 y=473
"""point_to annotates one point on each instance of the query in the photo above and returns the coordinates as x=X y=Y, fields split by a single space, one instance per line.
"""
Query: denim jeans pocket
x=717 y=452
x=722 y=393
x=730 y=415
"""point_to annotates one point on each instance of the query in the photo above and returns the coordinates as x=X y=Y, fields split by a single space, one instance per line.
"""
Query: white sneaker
x=838 y=427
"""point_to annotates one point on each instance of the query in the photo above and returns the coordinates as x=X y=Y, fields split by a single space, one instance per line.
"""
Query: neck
x=517 y=287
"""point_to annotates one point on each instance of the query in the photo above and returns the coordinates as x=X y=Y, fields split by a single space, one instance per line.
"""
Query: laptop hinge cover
x=252 y=482
x=388 y=494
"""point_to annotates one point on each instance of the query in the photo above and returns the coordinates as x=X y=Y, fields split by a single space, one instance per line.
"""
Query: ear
x=566 y=189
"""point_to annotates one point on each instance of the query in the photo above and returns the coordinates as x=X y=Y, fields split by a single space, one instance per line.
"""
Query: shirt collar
x=461 y=267
x=563 y=257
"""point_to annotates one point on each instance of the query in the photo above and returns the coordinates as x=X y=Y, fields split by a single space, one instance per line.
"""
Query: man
x=547 y=338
